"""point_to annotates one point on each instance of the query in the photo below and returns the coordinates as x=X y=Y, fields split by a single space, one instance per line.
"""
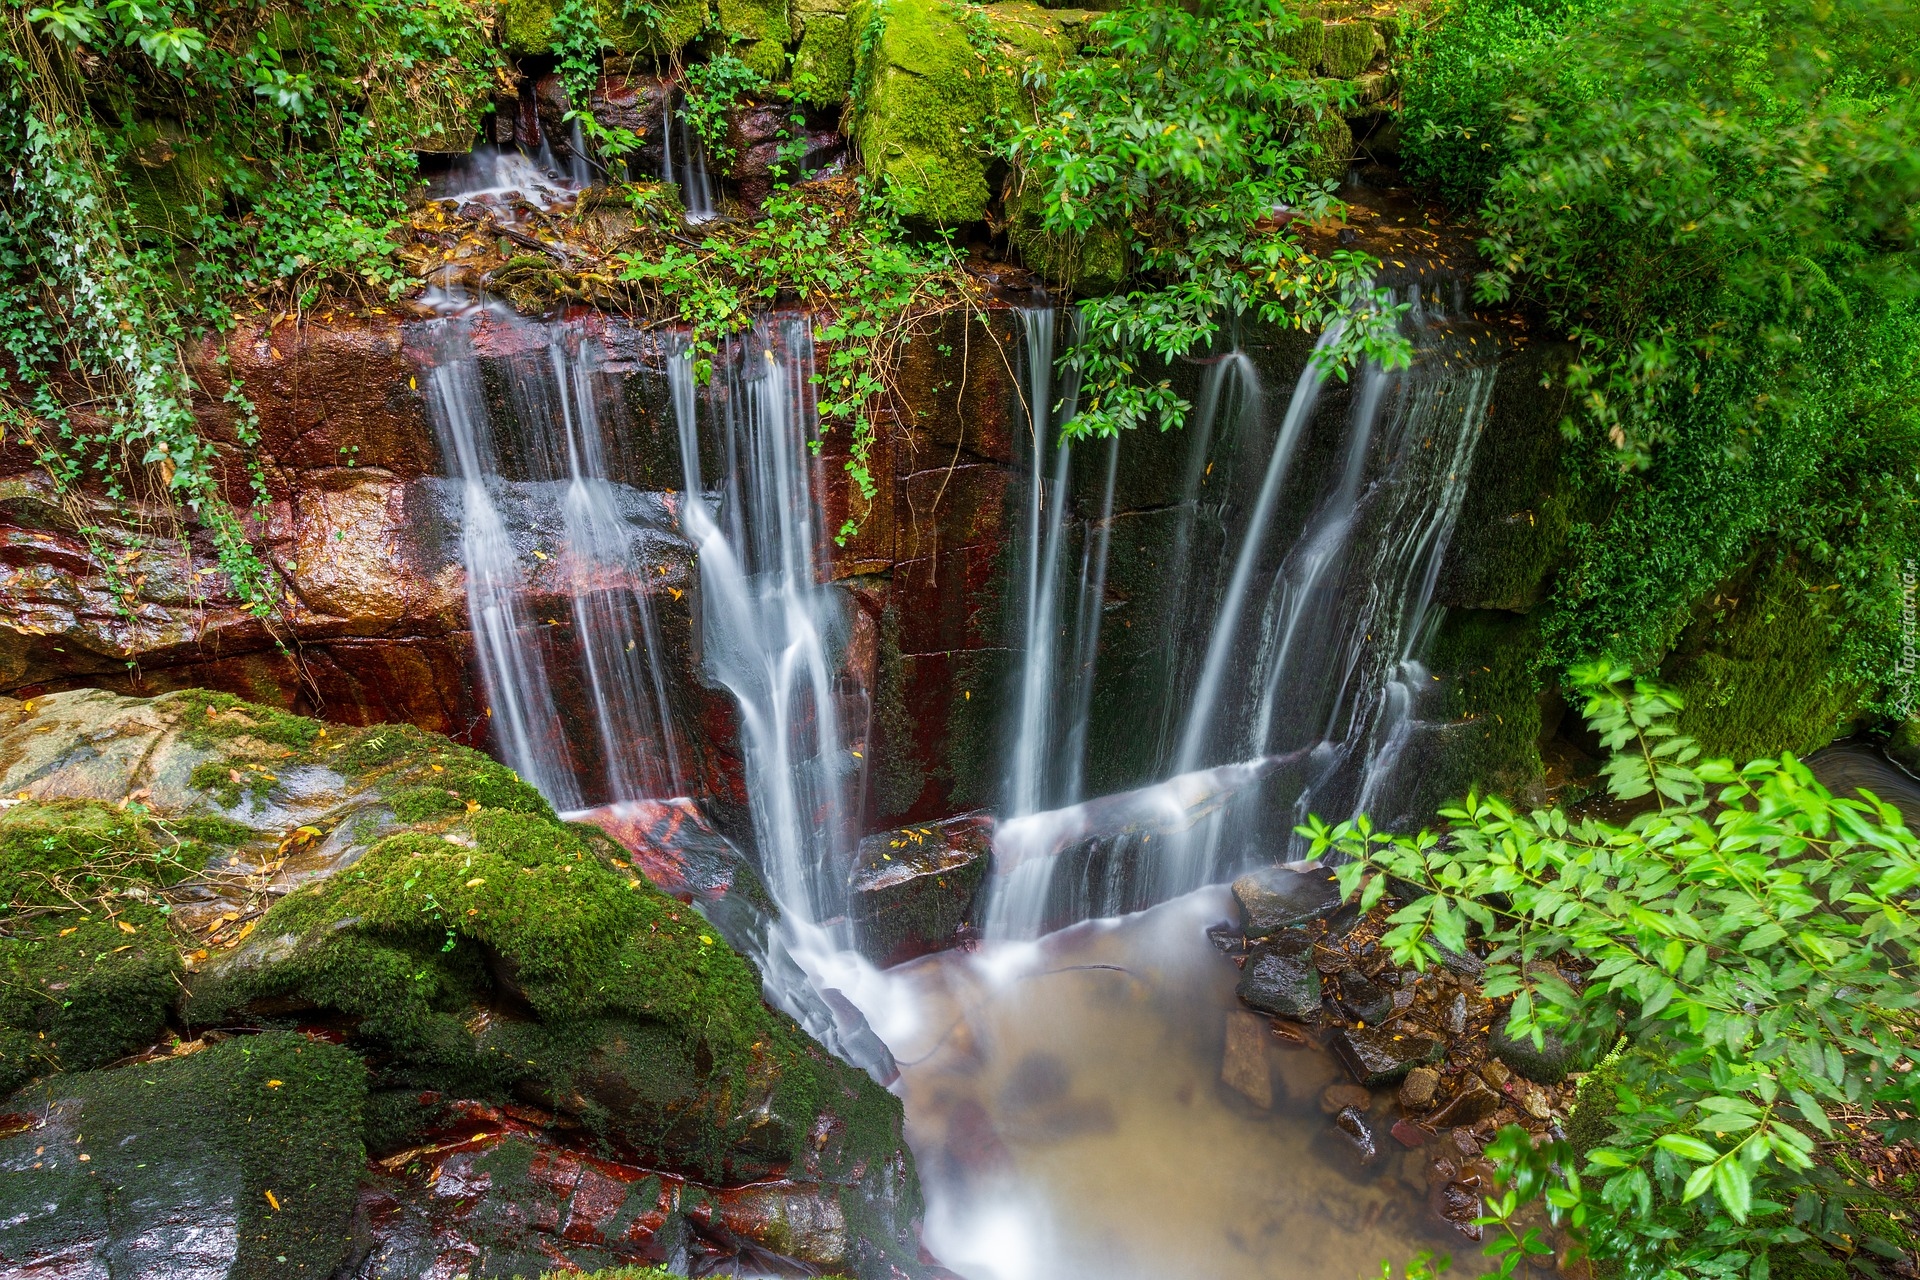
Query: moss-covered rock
x=756 y=20
x=245 y=1156
x=768 y=58
x=1348 y=48
x=931 y=91
x=1754 y=666
x=823 y=67
x=1332 y=148
x=1093 y=263
x=527 y=26
x=1305 y=43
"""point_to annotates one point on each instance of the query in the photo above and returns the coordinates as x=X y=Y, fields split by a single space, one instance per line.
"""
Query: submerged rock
x=1473 y=1103
x=1378 y=1056
x=915 y=889
x=1275 y=898
x=1244 y=1067
x=1353 y=1123
x=1280 y=977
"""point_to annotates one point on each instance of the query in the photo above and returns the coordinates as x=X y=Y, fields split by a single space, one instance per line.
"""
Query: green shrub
x=1753 y=936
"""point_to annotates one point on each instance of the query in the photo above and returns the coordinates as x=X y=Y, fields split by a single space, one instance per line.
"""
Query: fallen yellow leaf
x=274 y=1084
x=273 y=1201
x=476 y=882
x=125 y=927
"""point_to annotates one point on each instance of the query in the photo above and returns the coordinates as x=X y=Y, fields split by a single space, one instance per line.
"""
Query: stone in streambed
x=1409 y=1134
x=1377 y=1056
x=1274 y=898
x=1244 y=1065
x=1474 y=1103
x=1336 y=1098
x=1280 y=978
x=1354 y=1125
x=1417 y=1090
x=1547 y=1063
x=914 y=889
x=1364 y=999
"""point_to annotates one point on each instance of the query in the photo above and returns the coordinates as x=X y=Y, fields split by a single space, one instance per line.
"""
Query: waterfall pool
x=1066 y=1106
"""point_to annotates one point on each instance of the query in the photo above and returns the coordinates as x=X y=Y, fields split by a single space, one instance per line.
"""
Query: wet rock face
x=1280 y=977
x=497 y=1196
x=916 y=889
x=1275 y=898
x=235 y=1162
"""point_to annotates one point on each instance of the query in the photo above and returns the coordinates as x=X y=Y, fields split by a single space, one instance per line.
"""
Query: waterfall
x=771 y=632
x=1220 y=648
x=520 y=706
x=521 y=481
x=690 y=174
x=1311 y=686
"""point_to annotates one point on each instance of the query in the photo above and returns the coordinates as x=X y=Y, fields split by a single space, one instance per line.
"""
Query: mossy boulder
x=823 y=67
x=766 y=57
x=755 y=20
x=1305 y=44
x=1348 y=48
x=935 y=82
x=527 y=26
x=239 y=1161
x=1755 y=666
x=1331 y=145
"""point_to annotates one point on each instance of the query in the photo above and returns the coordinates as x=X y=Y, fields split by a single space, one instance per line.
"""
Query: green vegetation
x=1750 y=939
x=1716 y=202
x=168 y=162
x=1193 y=135
x=88 y=964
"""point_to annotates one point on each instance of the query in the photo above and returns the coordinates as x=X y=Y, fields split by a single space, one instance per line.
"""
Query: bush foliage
x=1750 y=937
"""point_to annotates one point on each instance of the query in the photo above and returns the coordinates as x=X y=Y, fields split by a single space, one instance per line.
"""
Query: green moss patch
x=932 y=91
x=823 y=67
x=88 y=961
x=1755 y=667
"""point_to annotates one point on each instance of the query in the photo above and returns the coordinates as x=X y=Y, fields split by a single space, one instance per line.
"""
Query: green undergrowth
x=1716 y=204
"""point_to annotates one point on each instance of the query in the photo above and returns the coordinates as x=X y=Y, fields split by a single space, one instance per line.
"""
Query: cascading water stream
x=1220 y=648
x=1028 y=772
x=520 y=704
x=1324 y=688
x=520 y=483
x=771 y=629
x=689 y=172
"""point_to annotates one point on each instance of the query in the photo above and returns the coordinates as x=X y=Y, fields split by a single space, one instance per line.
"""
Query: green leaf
x=1734 y=1185
x=1687 y=1147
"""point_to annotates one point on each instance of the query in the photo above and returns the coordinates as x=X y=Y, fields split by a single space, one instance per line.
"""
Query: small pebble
x=1338 y=1097
x=1418 y=1088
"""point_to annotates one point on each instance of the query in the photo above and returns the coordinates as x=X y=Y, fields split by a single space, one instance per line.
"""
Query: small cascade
x=771 y=631
x=689 y=171
x=520 y=705
x=522 y=480
x=1221 y=647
